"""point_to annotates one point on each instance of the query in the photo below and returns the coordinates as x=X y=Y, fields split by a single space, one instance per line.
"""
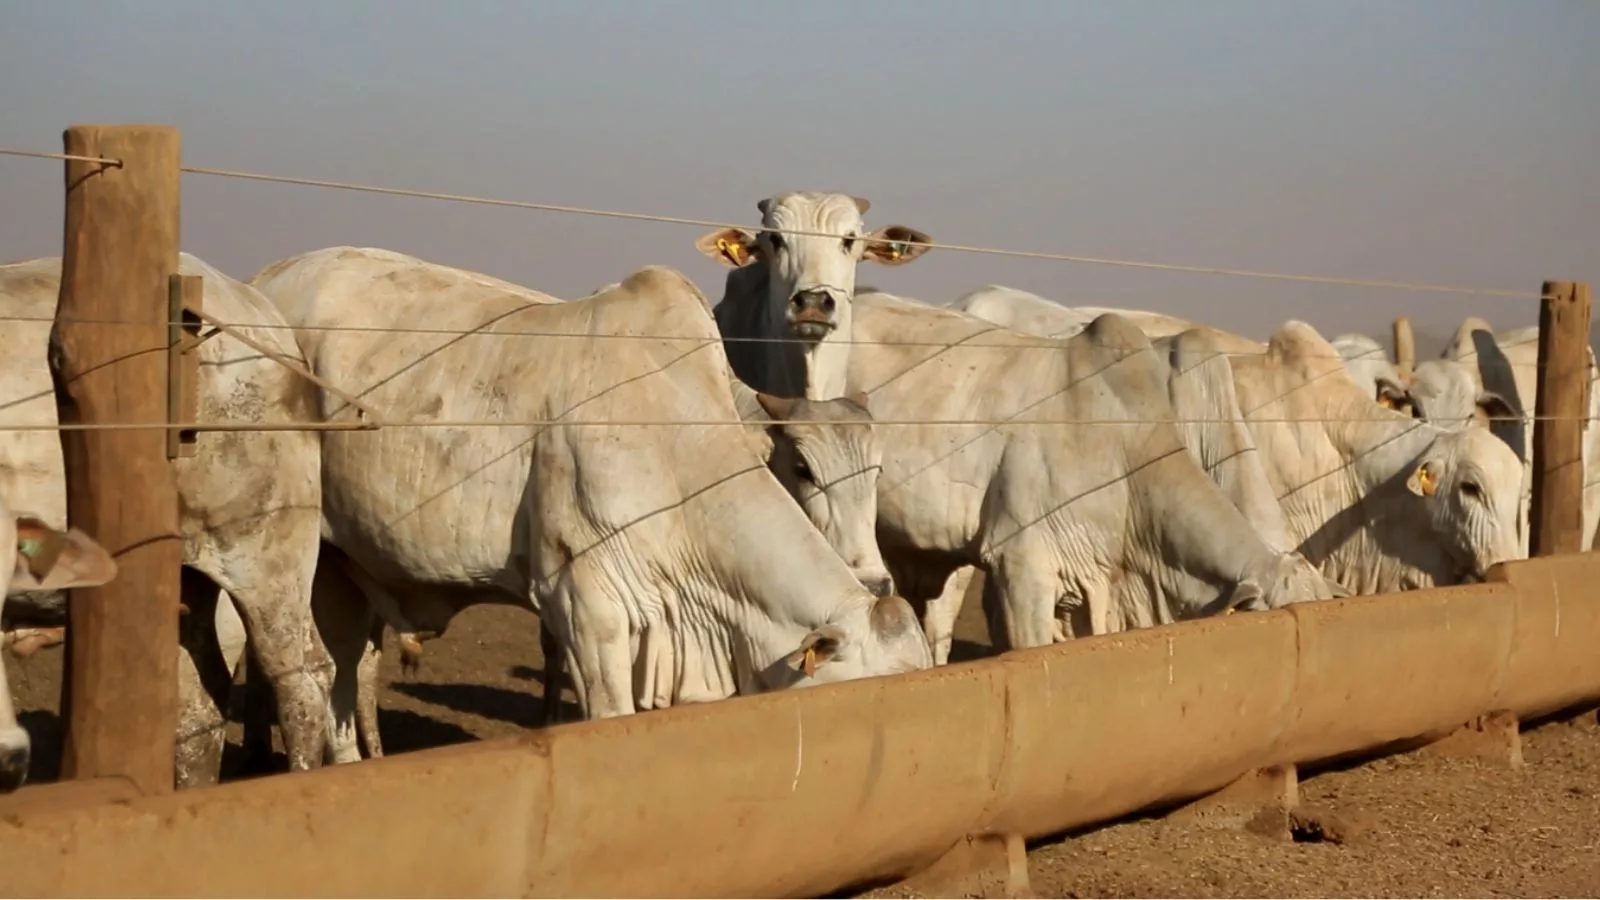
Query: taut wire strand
x=961 y=248
x=706 y=223
x=1029 y=341
x=709 y=223
x=684 y=423
x=369 y=417
x=70 y=157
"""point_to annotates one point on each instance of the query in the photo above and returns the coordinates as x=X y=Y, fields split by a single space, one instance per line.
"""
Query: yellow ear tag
x=809 y=664
x=1425 y=479
x=1231 y=610
x=731 y=250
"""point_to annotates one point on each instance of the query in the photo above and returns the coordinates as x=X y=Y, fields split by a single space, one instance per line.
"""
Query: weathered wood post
x=1405 y=347
x=1556 y=514
x=119 y=697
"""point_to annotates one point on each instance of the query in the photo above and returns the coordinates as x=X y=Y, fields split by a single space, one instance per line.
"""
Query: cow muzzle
x=879 y=584
x=811 y=314
x=13 y=761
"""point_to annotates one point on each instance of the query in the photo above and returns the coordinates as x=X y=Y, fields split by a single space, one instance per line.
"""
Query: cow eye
x=1472 y=489
x=802 y=471
x=850 y=244
x=777 y=240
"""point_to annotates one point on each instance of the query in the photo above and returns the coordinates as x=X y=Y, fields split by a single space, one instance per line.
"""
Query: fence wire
x=707 y=223
x=369 y=419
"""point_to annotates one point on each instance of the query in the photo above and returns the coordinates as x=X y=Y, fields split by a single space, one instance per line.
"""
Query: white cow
x=826 y=455
x=48 y=560
x=1199 y=386
x=630 y=523
x=1379 y=500
x=1083 y=527
x=1030 y=313
x=785 y=309
x=248 y=500
x=1200 y=389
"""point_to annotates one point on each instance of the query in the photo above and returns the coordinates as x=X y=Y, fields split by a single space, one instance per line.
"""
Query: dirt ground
x=1413 y=825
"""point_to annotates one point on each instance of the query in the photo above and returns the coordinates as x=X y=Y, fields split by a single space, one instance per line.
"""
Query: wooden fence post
x=1556 y=513
x=119 y=697
x=1405 y=347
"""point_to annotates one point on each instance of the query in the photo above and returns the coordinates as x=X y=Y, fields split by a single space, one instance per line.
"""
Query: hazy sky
x=1449 y=141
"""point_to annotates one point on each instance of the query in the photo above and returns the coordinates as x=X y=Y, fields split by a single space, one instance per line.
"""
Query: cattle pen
x=945 y=773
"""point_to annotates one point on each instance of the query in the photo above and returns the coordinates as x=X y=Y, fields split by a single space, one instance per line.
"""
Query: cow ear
x=751 y=410
x=1393 y=395
x=1492 y=406
x=779 y=408
x=818 y=648
x=1424 y=479
x=896 y=245
x=48 y=559
x=733 y=247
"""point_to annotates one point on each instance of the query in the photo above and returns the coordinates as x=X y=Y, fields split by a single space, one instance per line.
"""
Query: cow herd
x=790 y=487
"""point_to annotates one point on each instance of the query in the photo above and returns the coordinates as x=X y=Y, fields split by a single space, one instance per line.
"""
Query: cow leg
x=16 y=746
x=231 y=636
x=656 y=668
x=994 y=616
x=1028 y=597
x=367 y=692
x=284 y=644
x=204 y=685
x=595 y=625
x=939 y=619
x=260 y=711
x=578 y=690
x=928 y=592
x=345 y=619
x=555 y=660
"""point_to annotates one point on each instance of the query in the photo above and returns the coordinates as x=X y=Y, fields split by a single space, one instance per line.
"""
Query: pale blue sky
x=1434 y=140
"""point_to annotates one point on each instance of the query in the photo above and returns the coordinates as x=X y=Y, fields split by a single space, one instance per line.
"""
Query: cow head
x=1283 y=579
x=1444 y=392
x=45 y=560
x=812 y=276
x=826 y=454
x=880 y=636
x=1469 y=484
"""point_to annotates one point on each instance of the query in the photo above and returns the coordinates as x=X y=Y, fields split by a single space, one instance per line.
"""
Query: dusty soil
x=1406 y=826
x=1413 y=825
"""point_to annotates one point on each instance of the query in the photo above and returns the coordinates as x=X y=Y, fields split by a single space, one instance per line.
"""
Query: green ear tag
x=41 y=553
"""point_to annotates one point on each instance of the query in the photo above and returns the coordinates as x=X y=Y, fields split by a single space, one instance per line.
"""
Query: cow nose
x=13 y=768
x=813 y=301
x=879 y=585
